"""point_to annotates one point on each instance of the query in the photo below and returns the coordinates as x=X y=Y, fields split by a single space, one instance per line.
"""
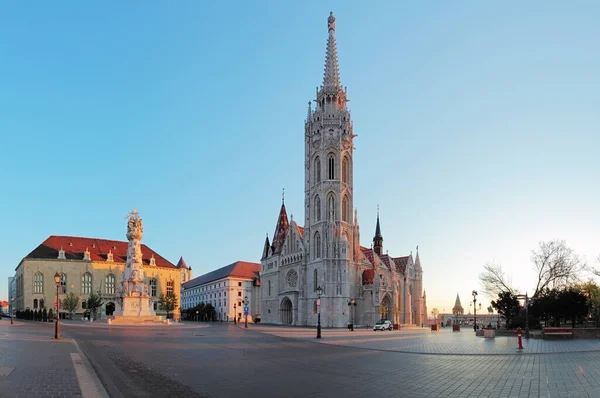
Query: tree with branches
x=494 y=281
x=555 y=264
x=70 y=303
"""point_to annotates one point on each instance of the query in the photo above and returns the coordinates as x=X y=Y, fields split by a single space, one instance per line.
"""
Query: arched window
x=318 y=208
x=170 y=286
x=38 y=283
x=35 y=304
x=317 y=245
x=42 y=304
x=109 y=284
x=345 y=170
x=316 y=280
x=317 y=170
x=331 y=167
x=345 y=209
x=63 y=283
x=269 y=288
x=86 y=283
x=153 y=287
x=331 y=207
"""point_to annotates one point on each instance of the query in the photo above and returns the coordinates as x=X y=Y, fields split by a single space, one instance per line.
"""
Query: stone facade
x=88 y=265
x=225 y=287
x=326 y=252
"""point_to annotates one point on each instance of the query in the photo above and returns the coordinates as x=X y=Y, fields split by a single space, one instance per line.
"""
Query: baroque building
x=326 y=252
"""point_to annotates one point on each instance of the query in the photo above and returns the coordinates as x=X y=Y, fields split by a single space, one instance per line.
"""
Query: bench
x=558 y=332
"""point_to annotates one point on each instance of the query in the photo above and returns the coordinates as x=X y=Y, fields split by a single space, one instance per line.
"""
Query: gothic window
x=86 y=283
x=35 y=304
x=153 y=287
x=38 y=283
x=63 y=283
x=170 y=286
x=41 y=304
x=345 y=170
x=109 y=284
x=317 y=170
x=292 y=278
x=331 y=167
x=315 y=280
x=317 y=245
x=318 y=208
x=269 y=288
x=331 y=207
x=345 y=209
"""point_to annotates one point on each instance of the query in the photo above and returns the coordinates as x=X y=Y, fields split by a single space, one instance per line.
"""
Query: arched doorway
x=110 y=308
x=386 y=307
x=287 y=317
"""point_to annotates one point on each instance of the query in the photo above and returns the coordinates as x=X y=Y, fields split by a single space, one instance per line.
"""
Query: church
x=356 y=284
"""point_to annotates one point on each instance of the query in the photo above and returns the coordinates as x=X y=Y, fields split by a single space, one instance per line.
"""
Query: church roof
x=367 y=276
x=75 y=247
x=266 y=248
x=386 y=260
x=240 y=269
x=181 y=263
x=300 y=231
x=401 y=263
x=281 y=230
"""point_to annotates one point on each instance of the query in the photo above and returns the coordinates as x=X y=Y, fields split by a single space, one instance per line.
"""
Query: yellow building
x=89 y=265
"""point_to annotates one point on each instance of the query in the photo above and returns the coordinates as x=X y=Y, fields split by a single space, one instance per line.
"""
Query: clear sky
x=478 y=126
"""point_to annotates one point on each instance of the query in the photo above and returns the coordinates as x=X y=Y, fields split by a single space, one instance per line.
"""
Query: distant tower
x=378 y=239
x=458 y=309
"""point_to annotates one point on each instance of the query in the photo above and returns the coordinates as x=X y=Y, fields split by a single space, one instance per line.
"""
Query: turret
x=378 y=239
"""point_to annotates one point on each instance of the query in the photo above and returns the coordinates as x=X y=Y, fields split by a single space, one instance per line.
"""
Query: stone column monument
x=135 y=302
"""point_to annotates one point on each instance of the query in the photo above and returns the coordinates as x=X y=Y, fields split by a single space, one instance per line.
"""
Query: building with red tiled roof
x=226 y=289
x=324 y=255
x=87 y=265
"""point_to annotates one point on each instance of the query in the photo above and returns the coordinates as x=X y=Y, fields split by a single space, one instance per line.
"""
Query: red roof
x=401 y=263
x=75 y=246
x=386 y=260
x=367 y=276
x=182 y=264
x=241 y=269
x=300 y=231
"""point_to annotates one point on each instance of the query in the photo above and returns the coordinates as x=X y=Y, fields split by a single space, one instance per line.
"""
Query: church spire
x=266 y=248
x=281 y=229
x=331 y=78
x=378 y=239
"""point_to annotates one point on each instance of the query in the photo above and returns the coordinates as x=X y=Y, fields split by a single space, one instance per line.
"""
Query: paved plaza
x=223 y=360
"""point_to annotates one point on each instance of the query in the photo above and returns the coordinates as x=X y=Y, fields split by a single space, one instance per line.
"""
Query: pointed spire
x=181 y=263
x=281 y=229
x=417 y=260
x=331 y=78
x=266 y=248
x=378 y=239
x=309 y=115
x=458 y=309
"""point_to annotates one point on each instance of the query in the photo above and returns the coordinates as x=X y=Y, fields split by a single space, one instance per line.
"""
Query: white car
x=383 y=325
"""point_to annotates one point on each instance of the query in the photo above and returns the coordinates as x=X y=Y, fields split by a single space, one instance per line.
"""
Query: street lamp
x=474 y=293
x=234 y=315
x=57 y=324
x=197 y=316
x=12 y=299
x=351 y=303
x=246 y=312
x=319 y=293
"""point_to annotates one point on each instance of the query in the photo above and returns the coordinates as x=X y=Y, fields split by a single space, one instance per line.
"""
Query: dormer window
x=61 y=254
x=86 y=254
x=152 y=260
x=109 y=256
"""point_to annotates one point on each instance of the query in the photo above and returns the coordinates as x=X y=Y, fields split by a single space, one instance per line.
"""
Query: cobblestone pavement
x=33 y=364
x=226 y=361
x=422 y=340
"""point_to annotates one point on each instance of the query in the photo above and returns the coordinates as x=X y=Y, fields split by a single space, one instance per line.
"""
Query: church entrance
x=110 y=308
x=386 y=307
x=287 y=318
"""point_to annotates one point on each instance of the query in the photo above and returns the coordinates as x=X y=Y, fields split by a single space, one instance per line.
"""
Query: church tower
x=329 y=222
x=378 y=239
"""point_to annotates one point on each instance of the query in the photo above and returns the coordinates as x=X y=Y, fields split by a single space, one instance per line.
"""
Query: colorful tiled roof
x=300 y=231
x=75 y=247
x=400 y=263
x=240 y=269
x=386 y=260
x=281 y=230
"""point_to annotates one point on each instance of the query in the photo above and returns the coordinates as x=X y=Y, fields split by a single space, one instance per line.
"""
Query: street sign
x=55 y=304
x=318 y=301
x=245 y=309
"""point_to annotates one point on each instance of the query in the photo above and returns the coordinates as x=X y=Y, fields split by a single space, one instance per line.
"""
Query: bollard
x=520 y=338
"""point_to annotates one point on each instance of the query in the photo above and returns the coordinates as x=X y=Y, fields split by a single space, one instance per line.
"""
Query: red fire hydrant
x=520 y=338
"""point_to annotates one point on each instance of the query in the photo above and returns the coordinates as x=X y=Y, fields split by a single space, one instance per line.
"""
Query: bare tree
x=555 y=264
x=494 y=281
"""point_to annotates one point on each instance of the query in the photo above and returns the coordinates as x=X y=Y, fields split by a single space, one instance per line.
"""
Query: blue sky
x=477 y=123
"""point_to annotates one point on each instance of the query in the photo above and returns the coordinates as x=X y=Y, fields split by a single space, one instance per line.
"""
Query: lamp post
x=351 y=303
x=404 y=303
x=234 y=315
x=197 y=316
x=319 y=293
x=474 y=293
x=246 y=312
x=57 y=324
x=526 y=298
x=12 y=299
